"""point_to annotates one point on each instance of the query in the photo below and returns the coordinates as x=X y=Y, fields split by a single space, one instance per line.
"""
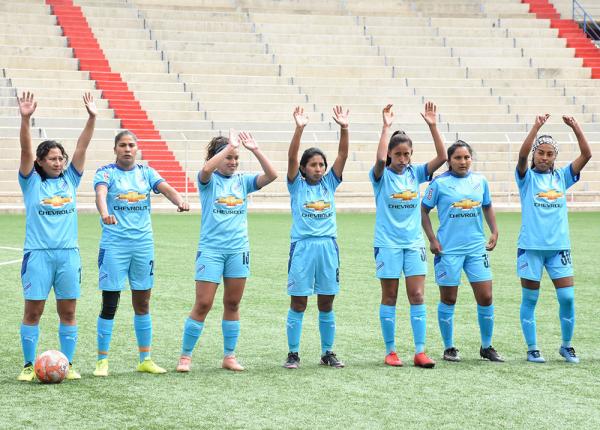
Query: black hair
x=123 y=133
x=307 y=155
x=452 y=148
x=215 y=146
x=397 y=138
x=42 y=151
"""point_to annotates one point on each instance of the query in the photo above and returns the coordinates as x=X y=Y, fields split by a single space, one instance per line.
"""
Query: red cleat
x=392 y=359
x=421 y=360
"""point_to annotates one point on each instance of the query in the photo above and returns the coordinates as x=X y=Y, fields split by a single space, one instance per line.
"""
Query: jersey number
x=151 y=267
x=246 y=258
x=565 y=257
x=486 y=261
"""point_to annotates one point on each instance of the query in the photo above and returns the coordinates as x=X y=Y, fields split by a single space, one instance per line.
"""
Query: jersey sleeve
x=569 y=176
x=487 y=199
x=377 y=183
x=522 y=181
x=332 y=180
x=430 y=198
x=73 y=176
x=102 y=177
x=422 y=174
x=292 y=186
x=154 y=179
x=25 y=182
x=251 y=182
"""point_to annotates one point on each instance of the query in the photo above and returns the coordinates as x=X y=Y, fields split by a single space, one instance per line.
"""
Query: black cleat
x=490 y=353
x=293 y=361
x=330 y=359
x=451 y=354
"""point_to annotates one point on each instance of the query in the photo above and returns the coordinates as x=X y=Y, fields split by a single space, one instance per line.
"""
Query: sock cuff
x=142 y=318
x=387 y=311
x=104 y=323
x=530 y=294
x=443 y=307
x=326 y=316
x=33 y=329
x=485 y=310
x=565 y=293
x=196 y=324
x=292 y=314
x=230 y=323
x=65 y=328
x=418 y=310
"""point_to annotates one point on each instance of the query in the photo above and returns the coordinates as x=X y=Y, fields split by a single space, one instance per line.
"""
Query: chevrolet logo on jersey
x=132 y=197
x=466 y=204
x=56 y=201
x=404 y=195
x=550 y=195
x=317 y=206
x=230 y=201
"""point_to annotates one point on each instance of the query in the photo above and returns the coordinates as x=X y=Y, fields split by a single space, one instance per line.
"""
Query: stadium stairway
x=569 y=30
x=91 y=58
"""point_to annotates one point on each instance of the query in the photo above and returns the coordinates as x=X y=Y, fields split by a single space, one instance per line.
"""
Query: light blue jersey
x=398 y=216
x=544 y=221
x=128 y=199
x=50 y=210
x=224 y=212
x=459 y=202
x=313 y=207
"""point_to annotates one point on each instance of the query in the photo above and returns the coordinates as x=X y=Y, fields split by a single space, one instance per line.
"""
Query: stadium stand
x=197 y=68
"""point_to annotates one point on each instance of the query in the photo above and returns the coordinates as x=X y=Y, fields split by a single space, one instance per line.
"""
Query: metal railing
x=588 y=23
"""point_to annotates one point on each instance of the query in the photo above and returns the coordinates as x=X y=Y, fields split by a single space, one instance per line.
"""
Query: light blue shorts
x=314 y=267
x=211 y=266
x=115 y=265
x=530 y=264
x=448 y=268
x=42 y=269
x=390 y=263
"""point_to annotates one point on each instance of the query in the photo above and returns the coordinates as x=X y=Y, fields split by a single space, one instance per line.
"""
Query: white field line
x=10 y=248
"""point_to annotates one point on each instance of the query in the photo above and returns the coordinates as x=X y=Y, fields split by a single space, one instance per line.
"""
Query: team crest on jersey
x=404 y=195
x=132 y=197
x=466 y=204
x=56 y=201
x=317 y=206
x=105 y=176
x=550 y=195
x=229 y=201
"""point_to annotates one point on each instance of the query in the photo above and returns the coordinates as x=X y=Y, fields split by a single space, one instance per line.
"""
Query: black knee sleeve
x=110 y=303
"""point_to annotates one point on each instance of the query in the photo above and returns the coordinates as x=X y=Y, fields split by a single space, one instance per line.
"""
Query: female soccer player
x=544 y=237
x=314 y=256
x=223 y=251
x=127 y=247
x=51 y=248
x=399 y=245
x=462 y=199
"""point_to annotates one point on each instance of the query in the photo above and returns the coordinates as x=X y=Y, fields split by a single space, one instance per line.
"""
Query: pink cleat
x=231 y=363
x=185 y=363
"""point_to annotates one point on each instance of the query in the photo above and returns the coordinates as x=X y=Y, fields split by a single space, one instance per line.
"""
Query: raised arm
x=86 y=135
x=585 y=152
x=430 y=117
x=342 y=119
x=540 y=120
x=101 y=192
x=434 y=246
x=490 y=218
x=301 y=119
x=211 y=165
x=384 y=140
x=270 y=174
x=27 y=106
x=173 y=196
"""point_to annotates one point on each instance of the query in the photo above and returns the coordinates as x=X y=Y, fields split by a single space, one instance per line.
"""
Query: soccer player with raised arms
x=544 y=236
x=51 y=252
x=223 y=250
x=399 y=246
x=314 y=261
x=463 y=199
x=127 y=245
